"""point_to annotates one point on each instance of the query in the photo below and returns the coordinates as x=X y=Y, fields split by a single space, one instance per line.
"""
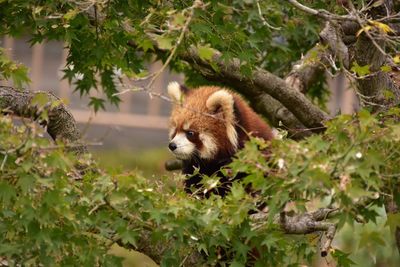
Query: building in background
x=140 y=122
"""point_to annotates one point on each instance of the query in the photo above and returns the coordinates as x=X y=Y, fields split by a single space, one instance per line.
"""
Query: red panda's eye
x=189 y=134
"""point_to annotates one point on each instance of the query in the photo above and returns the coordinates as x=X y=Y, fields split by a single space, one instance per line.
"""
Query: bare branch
x=196 y=4
x=264 y=21
x=322 y=13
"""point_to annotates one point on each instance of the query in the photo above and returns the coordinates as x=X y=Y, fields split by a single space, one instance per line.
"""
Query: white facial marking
x=209 y=146
x=171 y=132
x=184 y=148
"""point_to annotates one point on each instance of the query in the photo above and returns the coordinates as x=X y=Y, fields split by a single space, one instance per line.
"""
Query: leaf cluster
x=55 y=215
x=98 y=35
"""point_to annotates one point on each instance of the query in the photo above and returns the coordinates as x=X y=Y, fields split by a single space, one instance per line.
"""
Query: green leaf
x=393 y=221
x=97 y=103
x=178 y=20
x=20 y=76
x=129 y=237
x=371 y=239
x=205 y=52
x=360 y=70
x=342 y=258
x=7 y=193
x=164 y=42
x=40 y=100
x=26 y=182
x=146 y=45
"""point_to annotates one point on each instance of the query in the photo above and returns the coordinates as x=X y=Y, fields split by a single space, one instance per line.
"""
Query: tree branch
x=260 y=83
x=61 y=125
x=322 y=13
x=370 y=51
x=306 y=223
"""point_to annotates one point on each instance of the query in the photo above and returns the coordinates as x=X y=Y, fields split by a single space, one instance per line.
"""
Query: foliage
x=56 y=222
x=18 y=73
x=54 y=213
x=97 y=35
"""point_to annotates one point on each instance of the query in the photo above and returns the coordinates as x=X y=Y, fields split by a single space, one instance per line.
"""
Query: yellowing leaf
x=178 y=20
x=364 y=29
x=386 y=68
x=396 y=59
x=164 y=42
x=71 y=14
x=375 y=24
x=384 y=27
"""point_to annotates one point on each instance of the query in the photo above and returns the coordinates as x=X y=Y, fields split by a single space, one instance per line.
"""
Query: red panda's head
x=202 y=122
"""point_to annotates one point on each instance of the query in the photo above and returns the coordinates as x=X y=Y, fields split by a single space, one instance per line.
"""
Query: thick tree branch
x=370 y=51
x=259 y=83
x=61 y=125
x=372 y=88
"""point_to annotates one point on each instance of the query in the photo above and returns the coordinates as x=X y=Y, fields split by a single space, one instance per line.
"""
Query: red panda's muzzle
x=182 y=147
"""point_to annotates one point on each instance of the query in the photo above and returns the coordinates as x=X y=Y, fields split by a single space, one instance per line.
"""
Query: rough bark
x=372 y=88
x=61 y=125
x=332 y=37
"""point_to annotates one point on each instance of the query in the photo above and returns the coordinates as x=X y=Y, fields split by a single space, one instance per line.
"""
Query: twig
x=196 y=4
x=264 y=21
x=322 y=13
x=362 y=25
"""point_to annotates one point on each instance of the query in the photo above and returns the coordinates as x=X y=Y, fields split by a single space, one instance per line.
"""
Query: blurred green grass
x=147 y=162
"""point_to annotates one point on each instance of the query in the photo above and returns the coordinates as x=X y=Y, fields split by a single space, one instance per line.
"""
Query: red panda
x=207 y=126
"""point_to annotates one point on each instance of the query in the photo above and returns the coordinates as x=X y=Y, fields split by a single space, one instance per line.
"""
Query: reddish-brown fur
x=194 y=111
x=192 y=114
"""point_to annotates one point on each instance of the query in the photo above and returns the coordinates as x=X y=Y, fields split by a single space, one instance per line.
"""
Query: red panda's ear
x=221 y=103
x=176 y=92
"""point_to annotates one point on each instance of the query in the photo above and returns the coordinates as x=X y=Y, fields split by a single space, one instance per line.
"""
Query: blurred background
x=133 y=135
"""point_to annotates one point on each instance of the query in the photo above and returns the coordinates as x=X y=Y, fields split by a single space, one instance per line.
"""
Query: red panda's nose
x=172 y=146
